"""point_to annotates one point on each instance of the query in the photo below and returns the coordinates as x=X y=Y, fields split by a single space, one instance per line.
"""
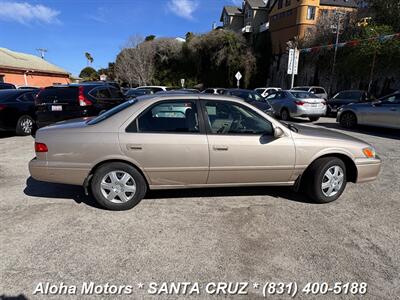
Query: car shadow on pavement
x=19 y=297
x=375 y=131
x=6 y=134
x=41 y=189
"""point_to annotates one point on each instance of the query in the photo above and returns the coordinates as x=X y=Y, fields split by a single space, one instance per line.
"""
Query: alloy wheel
x=26 y=125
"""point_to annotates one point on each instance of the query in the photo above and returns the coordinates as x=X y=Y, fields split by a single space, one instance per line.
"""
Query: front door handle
x=134 y=147
x=220 y=148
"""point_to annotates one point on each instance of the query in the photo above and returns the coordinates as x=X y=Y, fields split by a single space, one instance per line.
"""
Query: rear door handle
x=220 y=148
x=134 y=147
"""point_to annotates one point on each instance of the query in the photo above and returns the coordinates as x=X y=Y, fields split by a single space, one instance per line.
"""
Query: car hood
x=322 y=133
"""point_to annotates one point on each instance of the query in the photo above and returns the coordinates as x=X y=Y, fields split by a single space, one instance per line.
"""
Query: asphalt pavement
x=54 y=233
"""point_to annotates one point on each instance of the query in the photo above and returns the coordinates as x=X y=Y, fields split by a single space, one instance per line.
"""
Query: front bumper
x=367 y=169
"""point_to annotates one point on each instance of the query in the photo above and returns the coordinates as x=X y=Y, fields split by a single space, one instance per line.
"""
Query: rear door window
x=59 y=95
x=116 y=93
x=178 y=116
x=101 y=93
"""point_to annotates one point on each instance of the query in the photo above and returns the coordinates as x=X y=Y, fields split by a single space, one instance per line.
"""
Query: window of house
x=311 y=13
x=288 y=2
x=280 y=4
x=249 y=13
x=226 y=20
x=2 y=78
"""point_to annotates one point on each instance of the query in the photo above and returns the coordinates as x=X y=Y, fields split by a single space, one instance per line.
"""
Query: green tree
x=89 y=74
x=149 y=38
x=386 y=12
x=89 y=58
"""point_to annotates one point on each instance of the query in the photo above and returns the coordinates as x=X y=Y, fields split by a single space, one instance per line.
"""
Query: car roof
x=239 y=90
x=189 y=96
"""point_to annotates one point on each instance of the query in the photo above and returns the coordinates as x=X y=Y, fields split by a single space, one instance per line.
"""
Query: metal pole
x=238 y=84
x=293 y=64
x=336 y=48
x=372 y=71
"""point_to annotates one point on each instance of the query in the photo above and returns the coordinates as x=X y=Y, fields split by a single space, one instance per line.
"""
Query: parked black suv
x=58 y=103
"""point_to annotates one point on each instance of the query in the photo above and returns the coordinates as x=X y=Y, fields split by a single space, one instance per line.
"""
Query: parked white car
x=154 y=88
x=265 y=91
x=316 y=90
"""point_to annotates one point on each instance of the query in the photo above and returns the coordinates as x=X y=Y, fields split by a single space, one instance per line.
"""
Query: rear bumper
x=308 y=112
x=42 y=171
x=368 y=169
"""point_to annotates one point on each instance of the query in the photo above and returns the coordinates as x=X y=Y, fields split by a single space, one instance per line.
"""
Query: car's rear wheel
x=326 y=179
x=25 y=125
x=314 y=119
x=348 y=120
x=285 y=116
x=118 y=186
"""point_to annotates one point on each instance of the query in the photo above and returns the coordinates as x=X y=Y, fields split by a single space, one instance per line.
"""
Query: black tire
x=25 y=125
x=348 y=120
x=314 y=119
x=285 y=116
x=102 y=171
x=315 y=176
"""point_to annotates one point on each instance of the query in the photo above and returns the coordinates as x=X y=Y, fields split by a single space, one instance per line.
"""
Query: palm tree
x=89 y=58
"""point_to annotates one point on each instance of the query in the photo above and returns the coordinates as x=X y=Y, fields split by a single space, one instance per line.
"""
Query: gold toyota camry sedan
x=193 y=140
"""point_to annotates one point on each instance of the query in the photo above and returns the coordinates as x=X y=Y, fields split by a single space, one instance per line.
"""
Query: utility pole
x=338 y=19
x=42 y=52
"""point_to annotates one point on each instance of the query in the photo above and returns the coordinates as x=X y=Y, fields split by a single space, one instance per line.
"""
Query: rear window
x=58 y=95
x=111 y=112
x=303 y=95
x=301 y=89
x=6 y=95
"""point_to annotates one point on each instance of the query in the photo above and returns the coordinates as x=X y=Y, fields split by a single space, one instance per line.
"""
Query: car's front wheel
x=326 y=179
x=118 y=186
x=348 y=120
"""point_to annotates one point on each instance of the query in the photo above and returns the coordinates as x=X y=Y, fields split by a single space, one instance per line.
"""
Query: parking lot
x=54 y=233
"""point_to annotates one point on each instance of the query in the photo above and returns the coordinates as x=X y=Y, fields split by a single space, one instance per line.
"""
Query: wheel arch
x=351 y=168
x=113 y=160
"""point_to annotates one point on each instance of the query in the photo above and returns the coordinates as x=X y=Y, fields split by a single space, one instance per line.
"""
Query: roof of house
x=22 y=61
x=258 y=3
x=344 y=3
x=231 y=11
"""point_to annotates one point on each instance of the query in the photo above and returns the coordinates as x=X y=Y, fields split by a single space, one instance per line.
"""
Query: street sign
x=238 y=76
x=293 y=62
x=183 y=82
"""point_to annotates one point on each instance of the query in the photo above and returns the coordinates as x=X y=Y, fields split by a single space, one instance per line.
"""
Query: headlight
x=369 y=152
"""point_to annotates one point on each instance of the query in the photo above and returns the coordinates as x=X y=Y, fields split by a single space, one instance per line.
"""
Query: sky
x=69 y=28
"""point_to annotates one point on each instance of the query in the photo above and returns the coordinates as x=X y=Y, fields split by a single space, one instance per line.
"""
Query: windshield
x=111 y=112
x=303 y=95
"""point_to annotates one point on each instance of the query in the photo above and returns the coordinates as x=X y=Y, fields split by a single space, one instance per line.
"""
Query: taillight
x=83 y=101
x=40 y=147
x=299 y=102
x=2 y=106
x=37 y=96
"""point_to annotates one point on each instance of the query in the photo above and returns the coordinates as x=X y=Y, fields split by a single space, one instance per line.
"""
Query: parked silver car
x=383 y=113
x=318 y=91
x=287 y=104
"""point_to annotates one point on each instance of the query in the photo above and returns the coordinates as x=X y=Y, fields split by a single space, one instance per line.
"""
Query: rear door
x=243 y=149
x=385 y=114
x=168 y=141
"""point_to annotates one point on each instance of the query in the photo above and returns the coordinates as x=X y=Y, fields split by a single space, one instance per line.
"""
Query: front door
x=243 y=148
x=168 y=142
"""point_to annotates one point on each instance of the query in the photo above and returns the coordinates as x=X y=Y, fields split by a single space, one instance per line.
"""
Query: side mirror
x=278 y=132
